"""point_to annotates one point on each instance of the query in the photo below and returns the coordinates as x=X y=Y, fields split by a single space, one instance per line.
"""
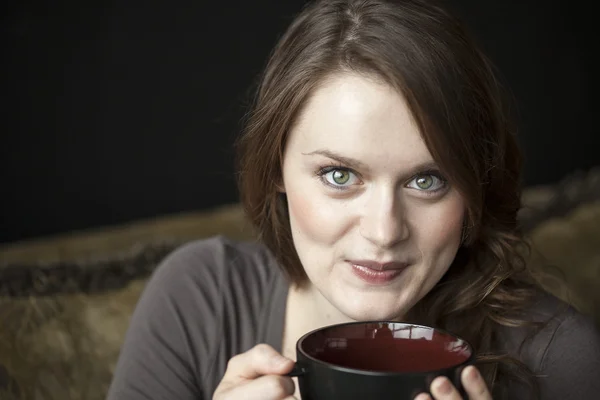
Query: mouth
x=379 y=266
x=375 y=273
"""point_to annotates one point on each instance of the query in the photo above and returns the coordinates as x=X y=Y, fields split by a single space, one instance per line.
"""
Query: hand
x=257 y=374
x=442 y=389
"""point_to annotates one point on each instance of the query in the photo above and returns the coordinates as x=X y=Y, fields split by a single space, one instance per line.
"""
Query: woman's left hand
x=442 y=389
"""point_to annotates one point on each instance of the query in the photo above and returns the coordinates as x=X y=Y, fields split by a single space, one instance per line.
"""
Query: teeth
x=369 y=270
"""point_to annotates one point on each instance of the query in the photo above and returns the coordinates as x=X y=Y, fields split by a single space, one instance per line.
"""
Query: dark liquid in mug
x=382 y=349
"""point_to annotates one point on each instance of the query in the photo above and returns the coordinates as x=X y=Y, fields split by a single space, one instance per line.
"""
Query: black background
x=118 y=111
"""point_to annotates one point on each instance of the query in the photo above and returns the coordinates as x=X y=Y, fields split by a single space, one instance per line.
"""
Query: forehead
x=359 y=117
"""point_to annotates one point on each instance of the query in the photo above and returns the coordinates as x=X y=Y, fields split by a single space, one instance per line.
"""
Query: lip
x=375 y=273
x=379 y=266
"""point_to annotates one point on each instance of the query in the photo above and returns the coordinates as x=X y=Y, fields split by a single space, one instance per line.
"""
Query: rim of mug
x=341 y=368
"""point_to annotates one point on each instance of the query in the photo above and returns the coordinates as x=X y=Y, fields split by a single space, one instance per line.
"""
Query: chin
x=374 y=314
x=372 y=306
x=367 y=316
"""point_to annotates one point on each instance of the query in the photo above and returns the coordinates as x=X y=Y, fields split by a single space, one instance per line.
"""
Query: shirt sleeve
x=173 y=333
x=570 y=366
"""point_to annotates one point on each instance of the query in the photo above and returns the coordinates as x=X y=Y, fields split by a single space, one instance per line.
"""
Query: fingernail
x=472 y=374
x=444 y=386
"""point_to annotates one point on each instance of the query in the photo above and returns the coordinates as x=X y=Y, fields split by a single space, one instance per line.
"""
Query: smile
x=376 y=273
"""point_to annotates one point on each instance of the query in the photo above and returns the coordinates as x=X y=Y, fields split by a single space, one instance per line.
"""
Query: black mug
x=379 y=360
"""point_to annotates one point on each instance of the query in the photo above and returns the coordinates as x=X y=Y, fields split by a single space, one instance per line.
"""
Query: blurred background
x=118 y=120
x=116 y=111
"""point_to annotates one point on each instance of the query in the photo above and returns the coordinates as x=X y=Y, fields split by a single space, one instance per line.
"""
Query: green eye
x=429 y=182
x=340 y=177
x=424 y=182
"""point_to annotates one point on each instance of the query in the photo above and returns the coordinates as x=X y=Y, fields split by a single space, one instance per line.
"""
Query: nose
x=383 y=222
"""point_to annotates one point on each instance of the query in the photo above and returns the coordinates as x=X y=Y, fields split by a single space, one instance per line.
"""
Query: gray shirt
x=215 y=298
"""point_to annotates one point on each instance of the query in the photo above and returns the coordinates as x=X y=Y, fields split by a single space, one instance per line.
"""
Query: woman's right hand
x=257 y=374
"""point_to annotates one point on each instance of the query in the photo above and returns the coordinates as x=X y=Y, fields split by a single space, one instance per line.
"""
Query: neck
x=308 y=310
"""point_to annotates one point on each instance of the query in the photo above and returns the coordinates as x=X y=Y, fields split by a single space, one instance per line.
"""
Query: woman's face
x=373 y=220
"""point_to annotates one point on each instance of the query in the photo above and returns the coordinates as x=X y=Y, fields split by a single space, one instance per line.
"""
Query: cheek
x=314 y=218
x=441 y=227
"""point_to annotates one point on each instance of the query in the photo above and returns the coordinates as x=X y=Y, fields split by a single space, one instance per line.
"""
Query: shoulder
x=217 y=261
x=569 y=364
x=222 y=283
x=564 y=353
x=558 y=321
x=205 y=302
x=216 y=279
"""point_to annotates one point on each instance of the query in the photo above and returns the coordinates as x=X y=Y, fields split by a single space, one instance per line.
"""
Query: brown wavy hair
x=451 y=89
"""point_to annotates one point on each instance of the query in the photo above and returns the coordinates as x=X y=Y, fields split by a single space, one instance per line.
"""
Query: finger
x=474 y=384
x=267 y=387
x=261 y=360
x=423 y=396
x=442 y=389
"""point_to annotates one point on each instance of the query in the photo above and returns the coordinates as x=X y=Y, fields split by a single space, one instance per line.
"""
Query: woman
x=381 y=172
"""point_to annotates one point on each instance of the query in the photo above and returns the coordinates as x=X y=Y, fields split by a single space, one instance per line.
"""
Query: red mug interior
x=386 y=347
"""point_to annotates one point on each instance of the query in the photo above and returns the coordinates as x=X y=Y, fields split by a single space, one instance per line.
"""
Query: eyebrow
x=347 y=161
x=358 y=165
